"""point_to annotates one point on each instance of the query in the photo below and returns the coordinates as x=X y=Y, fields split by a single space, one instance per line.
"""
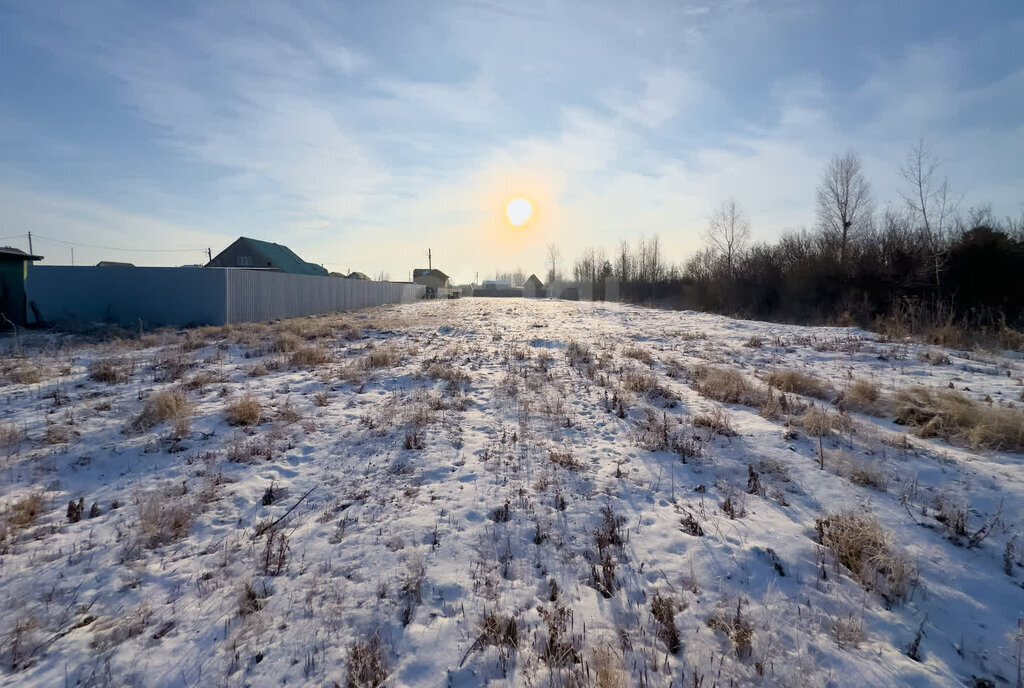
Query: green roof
x=278 y=255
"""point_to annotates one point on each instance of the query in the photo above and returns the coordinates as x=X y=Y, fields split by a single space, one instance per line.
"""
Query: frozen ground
x=503 y=492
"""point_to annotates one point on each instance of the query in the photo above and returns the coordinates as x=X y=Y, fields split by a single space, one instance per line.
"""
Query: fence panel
x=180 y=297
x=175 y=297
x=254 y=295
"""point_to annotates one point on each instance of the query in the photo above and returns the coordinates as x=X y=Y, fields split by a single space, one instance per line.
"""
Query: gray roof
x=11 y=253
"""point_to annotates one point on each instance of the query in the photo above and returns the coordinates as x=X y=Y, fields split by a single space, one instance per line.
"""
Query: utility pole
x=209 y=256
x=30 y=243
x=72 y=256
x=430 y=260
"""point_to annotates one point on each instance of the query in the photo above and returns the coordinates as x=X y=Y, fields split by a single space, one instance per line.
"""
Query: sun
x=519 y=211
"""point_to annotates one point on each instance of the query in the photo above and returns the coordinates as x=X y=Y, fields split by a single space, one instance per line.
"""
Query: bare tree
x=554 y=258
x=930 y=200
x=728 y=232
x=844 y=202
x=623 y=263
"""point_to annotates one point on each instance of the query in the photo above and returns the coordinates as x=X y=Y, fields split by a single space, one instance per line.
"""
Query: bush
x=367 y=663
x=245 y=411
x=638 y=353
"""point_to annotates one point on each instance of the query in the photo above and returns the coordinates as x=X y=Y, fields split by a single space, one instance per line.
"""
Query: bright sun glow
x=519 y=211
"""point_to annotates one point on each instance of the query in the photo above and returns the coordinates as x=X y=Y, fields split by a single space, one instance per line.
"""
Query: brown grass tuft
x=385 y=356
x=163 y=518
x=110 y=370
x=948 y=414
x=24 y=512
x=862 y=546
x=310 y=356
x=863 y=396
x=170 y=404
x=246 y=410
x=794 y=381
x=725 y=385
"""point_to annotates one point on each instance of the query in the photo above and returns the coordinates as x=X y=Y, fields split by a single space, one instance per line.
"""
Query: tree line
x=920 y=264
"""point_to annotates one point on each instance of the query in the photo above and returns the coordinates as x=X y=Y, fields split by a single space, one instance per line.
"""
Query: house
x=359 y=276
x=435 y=281
x=431 y=278
x=533 y=287
x=13 y=273
x=263 y=255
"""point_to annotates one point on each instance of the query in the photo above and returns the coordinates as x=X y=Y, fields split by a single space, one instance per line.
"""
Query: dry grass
x=948 y=414
x=863 y=396
x=27 y=373
x=795 y=382
x=310 y=356
x=58 y=434
x=639 y=354
x=24 y=512
x=110 y=370
x=287 y=342
x=818 y=421
x=640 y=382
x=725 y=385
x=205 y=378
x=862 y=546
x=245 y=410
x=169 y=404
x=717 y=420
x=386 y=356
x=447 y=372
x=163 y=518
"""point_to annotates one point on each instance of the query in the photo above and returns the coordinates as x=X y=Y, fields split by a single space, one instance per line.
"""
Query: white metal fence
x=195 y=296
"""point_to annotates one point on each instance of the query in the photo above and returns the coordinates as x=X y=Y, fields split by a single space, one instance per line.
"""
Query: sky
x=362 y=134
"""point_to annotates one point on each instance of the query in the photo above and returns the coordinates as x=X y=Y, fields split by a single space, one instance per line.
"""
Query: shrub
x=664 y=612
x=245 y=411
x=952 y=416
x=286 y=342
x=577 y=353
x=163 y=406
x=565 y=459
x=367 y=663
x=793 y=381
x=28 y=374
x=863 y=547
x=258 y=370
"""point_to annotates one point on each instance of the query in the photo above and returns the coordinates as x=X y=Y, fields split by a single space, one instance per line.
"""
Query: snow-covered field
x=509 y=492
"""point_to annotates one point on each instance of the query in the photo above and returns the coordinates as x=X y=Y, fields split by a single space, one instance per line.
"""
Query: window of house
x=244 y=261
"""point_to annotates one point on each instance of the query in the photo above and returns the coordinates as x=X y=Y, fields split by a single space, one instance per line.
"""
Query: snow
x=90 y=603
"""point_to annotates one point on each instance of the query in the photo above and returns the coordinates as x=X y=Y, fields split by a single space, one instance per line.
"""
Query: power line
x=112 y=248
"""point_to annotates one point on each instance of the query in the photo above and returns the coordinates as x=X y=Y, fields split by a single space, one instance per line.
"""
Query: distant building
x=431 y=278
x=359 y=276
x=496 y=284
x=533 y=287
x=263 y=255
x=13 y=273
x=113 y=264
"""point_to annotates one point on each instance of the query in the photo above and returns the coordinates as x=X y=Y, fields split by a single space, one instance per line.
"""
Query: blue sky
x=361 y=134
